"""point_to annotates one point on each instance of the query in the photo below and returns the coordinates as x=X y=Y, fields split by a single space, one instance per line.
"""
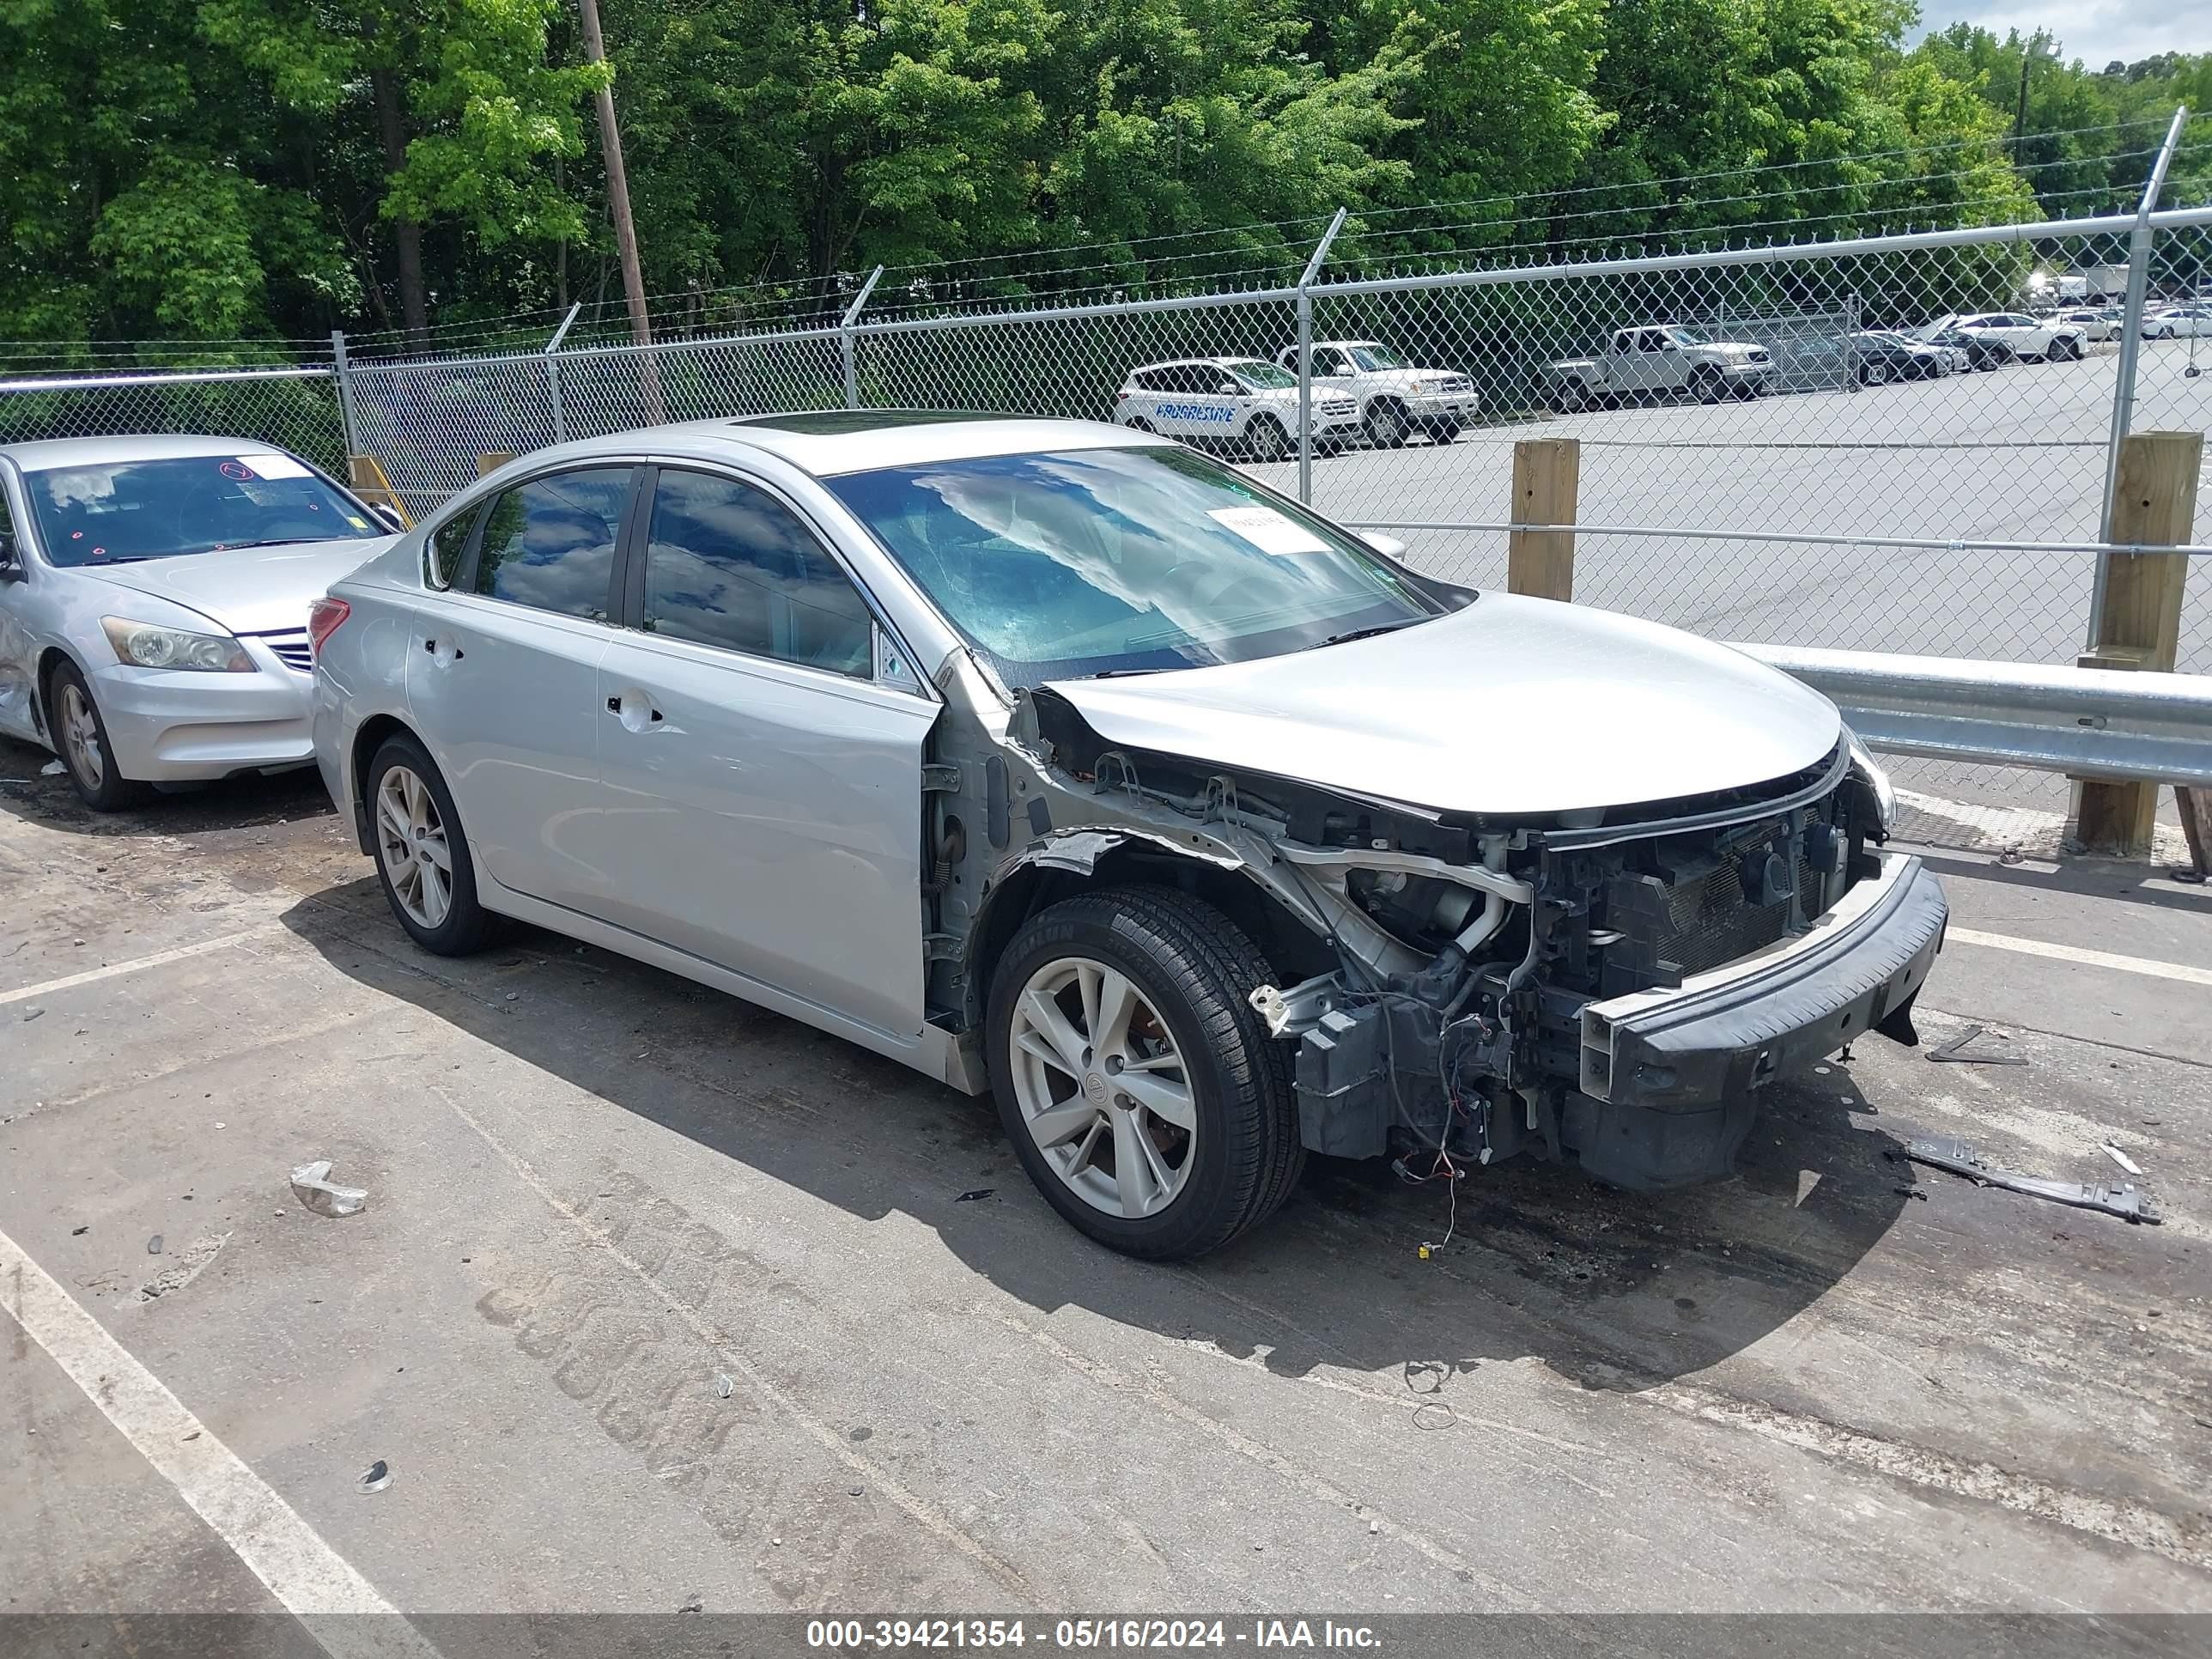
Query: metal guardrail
x=2114 y=725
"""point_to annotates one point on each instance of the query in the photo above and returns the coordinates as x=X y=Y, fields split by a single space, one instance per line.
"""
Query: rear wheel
x=423 y=859
x=1574 y=397
x=1387 y=426
x=1444 y=432
x=1266 y=440
x=1140 y=424
x=80 y=734
x=1141 y=1092
x=1873 y=373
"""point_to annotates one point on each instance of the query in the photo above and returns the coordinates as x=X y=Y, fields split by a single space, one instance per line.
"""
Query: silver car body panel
x=1511 y=707
x=165 y=725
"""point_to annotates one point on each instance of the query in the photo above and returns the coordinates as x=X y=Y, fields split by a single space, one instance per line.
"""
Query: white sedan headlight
x=1885 y=791
x=144 y=645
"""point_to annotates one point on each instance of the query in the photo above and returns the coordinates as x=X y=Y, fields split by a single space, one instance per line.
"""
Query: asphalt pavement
x=659 y=1302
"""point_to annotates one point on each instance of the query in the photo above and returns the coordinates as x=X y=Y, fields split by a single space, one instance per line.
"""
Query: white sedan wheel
x=411 y=845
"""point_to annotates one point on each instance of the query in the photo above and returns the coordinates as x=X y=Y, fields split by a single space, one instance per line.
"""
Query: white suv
x=1235 y=402
x=1395 y=398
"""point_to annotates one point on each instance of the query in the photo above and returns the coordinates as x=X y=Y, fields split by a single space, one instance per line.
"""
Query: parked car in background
x=1981 y=351
x=1878 y=358
x=1666 y=360
x=2028 y=337
x=153 y=595
x=2178 y=322
x=2098 y=323
x=1055 y=760
x=1239 y=403
x=1395 y=398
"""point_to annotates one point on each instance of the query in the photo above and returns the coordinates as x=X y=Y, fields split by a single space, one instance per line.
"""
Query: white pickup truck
x=1661 y=360
x=1395 y=398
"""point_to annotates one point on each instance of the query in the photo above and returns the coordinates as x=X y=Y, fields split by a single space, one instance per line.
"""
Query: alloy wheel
x=80 y=732
x=1102 y=1088
x=410 y=838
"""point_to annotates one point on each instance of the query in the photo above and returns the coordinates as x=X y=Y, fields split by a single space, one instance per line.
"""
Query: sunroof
x=837 y=423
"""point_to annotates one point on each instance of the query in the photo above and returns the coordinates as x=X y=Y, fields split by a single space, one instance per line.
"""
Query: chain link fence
x=1796 y=445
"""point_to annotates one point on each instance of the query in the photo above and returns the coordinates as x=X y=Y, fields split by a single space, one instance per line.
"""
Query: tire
x=1574 y=397
x=1705 y=385
x=1873 y=373
x=1387 y=426
x=1190 y=971
x=461 y=926
x=1266 y=440
x=80 y=734
x=1140 y=424
x=1444 y=432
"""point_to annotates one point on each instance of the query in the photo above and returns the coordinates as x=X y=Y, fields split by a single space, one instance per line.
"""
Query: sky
x=2094 y=31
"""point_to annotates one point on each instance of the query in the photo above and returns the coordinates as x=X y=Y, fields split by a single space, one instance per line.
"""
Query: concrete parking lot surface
x=661 y=1302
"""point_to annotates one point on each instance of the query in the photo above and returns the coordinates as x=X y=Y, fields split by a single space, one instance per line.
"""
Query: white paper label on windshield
x=1267 y=530
x=275 y=466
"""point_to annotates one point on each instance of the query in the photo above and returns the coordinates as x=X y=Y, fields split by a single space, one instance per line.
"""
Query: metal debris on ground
x=1955 y=1050
x=376 y=1477
x=1960 y=1157
x=2122 y=1159
x=975 y=1192
x=724 y=1388
x=313 y=1186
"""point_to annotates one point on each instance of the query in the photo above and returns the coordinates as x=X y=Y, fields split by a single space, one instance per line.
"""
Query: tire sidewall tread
x=468 y=926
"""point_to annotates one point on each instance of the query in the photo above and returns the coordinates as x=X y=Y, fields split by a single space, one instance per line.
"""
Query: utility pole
x=2020 y=116
x=640 y=323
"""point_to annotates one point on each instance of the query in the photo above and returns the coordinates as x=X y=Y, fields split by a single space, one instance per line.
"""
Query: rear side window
x=728 y=565
x=549 y=544
x=447 y=542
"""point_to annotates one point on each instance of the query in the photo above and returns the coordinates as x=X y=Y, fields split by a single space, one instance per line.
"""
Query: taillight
x=324 y=616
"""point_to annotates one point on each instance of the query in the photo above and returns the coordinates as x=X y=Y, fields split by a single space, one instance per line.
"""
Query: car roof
x=1188 y=362
x=828 y=442
x=42 y=454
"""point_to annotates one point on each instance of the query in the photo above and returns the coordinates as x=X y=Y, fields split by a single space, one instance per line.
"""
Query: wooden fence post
x=2154 y=504
x=492 y=462
x=1547 y=485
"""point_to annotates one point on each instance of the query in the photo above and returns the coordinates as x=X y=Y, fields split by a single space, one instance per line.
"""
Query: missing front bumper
x=1668 y=1077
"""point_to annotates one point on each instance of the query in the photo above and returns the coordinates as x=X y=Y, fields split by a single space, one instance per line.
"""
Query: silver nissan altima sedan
x=1060 y=761
x=154 y=596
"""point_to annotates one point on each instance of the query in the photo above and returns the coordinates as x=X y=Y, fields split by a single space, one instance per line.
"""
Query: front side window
x=726 y=564
x=123 y=511
x=1376 y=356
x=549 y=544
x=1684 y=336
x=1264 y=376
x=1062 y=565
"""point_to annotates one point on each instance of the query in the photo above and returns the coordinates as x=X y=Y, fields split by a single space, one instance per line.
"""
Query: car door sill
x=931 y=1050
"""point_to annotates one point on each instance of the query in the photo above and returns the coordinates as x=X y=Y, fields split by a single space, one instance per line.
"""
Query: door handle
x=634 y=711
x=431 y=645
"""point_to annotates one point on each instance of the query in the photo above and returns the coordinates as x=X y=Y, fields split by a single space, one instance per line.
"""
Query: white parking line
x=316 y=1584
x=93 y=975
x=2036 y=947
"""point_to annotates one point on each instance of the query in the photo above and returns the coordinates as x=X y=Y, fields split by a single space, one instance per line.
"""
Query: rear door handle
x=634 y=710
x=452 y=653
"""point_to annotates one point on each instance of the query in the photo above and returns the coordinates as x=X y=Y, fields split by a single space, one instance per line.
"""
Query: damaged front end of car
x=1612 y=988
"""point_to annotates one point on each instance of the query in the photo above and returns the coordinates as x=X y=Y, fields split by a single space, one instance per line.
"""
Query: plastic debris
x=2122 y=1159
x=154 y=1245
x=1955 y=1049
x=313 y=1186
x=376 y=1477
x=1961 y=1158
x=975 y=1192
x=696 y=1604
x=53 y=768
x=77 y=1231
x=30 y=1014
x=724 y=1388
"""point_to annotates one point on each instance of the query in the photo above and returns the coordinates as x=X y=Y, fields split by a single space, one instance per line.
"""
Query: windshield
x=129 y=510
x=1065 y=565
x=1689 y=336
x=1254 y=373
x=1376 y=356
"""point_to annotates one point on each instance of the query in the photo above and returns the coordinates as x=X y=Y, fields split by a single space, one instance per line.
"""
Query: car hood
x=247 y=590
x=1511 y=708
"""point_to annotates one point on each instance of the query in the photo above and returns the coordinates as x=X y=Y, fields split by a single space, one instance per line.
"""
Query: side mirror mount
x=1388 y=546
x=387 y=515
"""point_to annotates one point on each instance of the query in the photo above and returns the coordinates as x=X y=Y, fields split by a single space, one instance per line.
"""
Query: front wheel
x=1706 y=385
x=422 y=859
x=80 y=733
x=1267 y=441
x=1873 y=373
x=1387 y=426
x=1140 y=1090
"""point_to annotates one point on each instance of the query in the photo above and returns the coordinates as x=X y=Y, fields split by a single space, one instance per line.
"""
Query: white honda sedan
x=1057 y=760
x=154 y=596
